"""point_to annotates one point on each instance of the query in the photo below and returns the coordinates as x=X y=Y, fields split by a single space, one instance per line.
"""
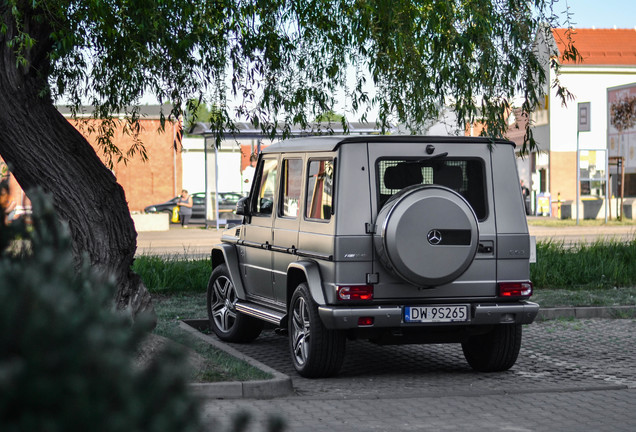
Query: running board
x=261 y=312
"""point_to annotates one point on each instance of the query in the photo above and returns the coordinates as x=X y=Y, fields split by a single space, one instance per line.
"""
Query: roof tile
x=600 y=46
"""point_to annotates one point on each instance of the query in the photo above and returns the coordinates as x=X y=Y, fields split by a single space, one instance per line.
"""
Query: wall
x=563 y=175
x=145 y=182
x=229 y=164
x=588 y=84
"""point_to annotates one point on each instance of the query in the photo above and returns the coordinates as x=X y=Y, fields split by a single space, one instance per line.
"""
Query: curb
x=584 y=312
x=279 y=386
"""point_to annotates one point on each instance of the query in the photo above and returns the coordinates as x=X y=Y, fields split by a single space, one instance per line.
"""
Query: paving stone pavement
x=571 y=375
x=612 y=410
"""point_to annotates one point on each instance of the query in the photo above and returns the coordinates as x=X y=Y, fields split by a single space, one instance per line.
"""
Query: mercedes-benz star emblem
x=434 y=237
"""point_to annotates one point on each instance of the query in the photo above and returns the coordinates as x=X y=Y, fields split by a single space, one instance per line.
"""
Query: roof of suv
x=331 y=142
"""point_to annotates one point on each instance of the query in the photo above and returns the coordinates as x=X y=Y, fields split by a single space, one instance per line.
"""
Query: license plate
x=435 y=314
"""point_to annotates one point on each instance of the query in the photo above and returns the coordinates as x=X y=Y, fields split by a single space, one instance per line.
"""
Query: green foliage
x=173 y=274
x=285 y=62
x=600 y=265
x=331 y=117
x=196 y=111
x=67 y=358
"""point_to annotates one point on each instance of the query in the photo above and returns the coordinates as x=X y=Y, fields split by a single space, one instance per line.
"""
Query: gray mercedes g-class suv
x=394 y=239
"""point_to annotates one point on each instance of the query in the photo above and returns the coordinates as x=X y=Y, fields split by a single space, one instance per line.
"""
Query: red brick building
x=145 y=182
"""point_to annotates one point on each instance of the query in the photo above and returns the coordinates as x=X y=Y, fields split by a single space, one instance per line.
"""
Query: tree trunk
x=43 y=149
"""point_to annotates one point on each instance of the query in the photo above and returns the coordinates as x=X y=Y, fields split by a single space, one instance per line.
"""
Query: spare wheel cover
x=428 y=235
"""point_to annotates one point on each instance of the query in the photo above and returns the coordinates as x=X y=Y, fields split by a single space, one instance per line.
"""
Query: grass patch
x=598 y=274
x=548 y=298
x=178 y=286
x=173 y=274
x=601 y=265
x=219 y=366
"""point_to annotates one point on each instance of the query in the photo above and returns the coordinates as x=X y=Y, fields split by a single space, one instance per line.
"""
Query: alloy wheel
x=301 y=331
x=224 y=303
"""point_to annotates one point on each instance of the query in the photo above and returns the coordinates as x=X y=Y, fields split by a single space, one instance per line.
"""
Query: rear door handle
x=485 y=249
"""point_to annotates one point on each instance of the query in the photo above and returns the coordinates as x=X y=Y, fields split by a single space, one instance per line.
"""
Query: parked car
x=227 y=204
x=227 y=201
x=394 y=239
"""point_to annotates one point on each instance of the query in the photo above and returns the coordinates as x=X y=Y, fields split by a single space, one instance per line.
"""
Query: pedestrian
x=248 y=174
x=7 y=204
x=525 y=192
x=185 y=208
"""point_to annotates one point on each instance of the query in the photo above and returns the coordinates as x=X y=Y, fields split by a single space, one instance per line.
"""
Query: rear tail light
x=355 y=292
x=515 y=289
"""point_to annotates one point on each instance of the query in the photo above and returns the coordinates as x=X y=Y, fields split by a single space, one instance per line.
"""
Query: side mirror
x=243 y=206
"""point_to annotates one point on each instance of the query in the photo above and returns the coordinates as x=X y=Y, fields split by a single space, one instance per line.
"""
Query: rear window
x=464 y=176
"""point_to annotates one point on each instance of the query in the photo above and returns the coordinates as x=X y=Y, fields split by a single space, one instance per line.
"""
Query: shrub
x=67 y=357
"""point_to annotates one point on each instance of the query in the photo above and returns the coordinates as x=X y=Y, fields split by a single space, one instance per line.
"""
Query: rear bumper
x=343 y=318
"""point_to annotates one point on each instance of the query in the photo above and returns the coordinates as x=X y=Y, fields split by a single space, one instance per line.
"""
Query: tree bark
x=43 y=149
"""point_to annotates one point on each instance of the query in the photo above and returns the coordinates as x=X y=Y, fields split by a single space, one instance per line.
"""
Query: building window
x=592 y=172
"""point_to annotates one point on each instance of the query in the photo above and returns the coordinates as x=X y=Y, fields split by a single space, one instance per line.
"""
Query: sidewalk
x=195 y=242
x=586 y=234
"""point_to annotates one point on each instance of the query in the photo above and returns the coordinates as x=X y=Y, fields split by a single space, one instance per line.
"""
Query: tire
x=316 y=351
x=494 y=351
x=427 y=235
x=225 y=321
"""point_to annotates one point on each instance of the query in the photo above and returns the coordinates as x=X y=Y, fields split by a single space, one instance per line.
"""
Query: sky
x=601 y=13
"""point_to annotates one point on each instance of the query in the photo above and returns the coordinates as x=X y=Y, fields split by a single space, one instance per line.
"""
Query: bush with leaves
x=67 y=357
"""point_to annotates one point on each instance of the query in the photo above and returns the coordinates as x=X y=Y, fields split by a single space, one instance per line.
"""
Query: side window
x=266 y=187
x=319 y=197
x=292 y=179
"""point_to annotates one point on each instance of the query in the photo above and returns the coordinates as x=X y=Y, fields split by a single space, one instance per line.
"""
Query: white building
x=229 y=164
x=609 y=60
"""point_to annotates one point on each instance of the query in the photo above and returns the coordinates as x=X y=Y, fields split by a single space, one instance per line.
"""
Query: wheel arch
x=227 y=254
x=308 y=272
